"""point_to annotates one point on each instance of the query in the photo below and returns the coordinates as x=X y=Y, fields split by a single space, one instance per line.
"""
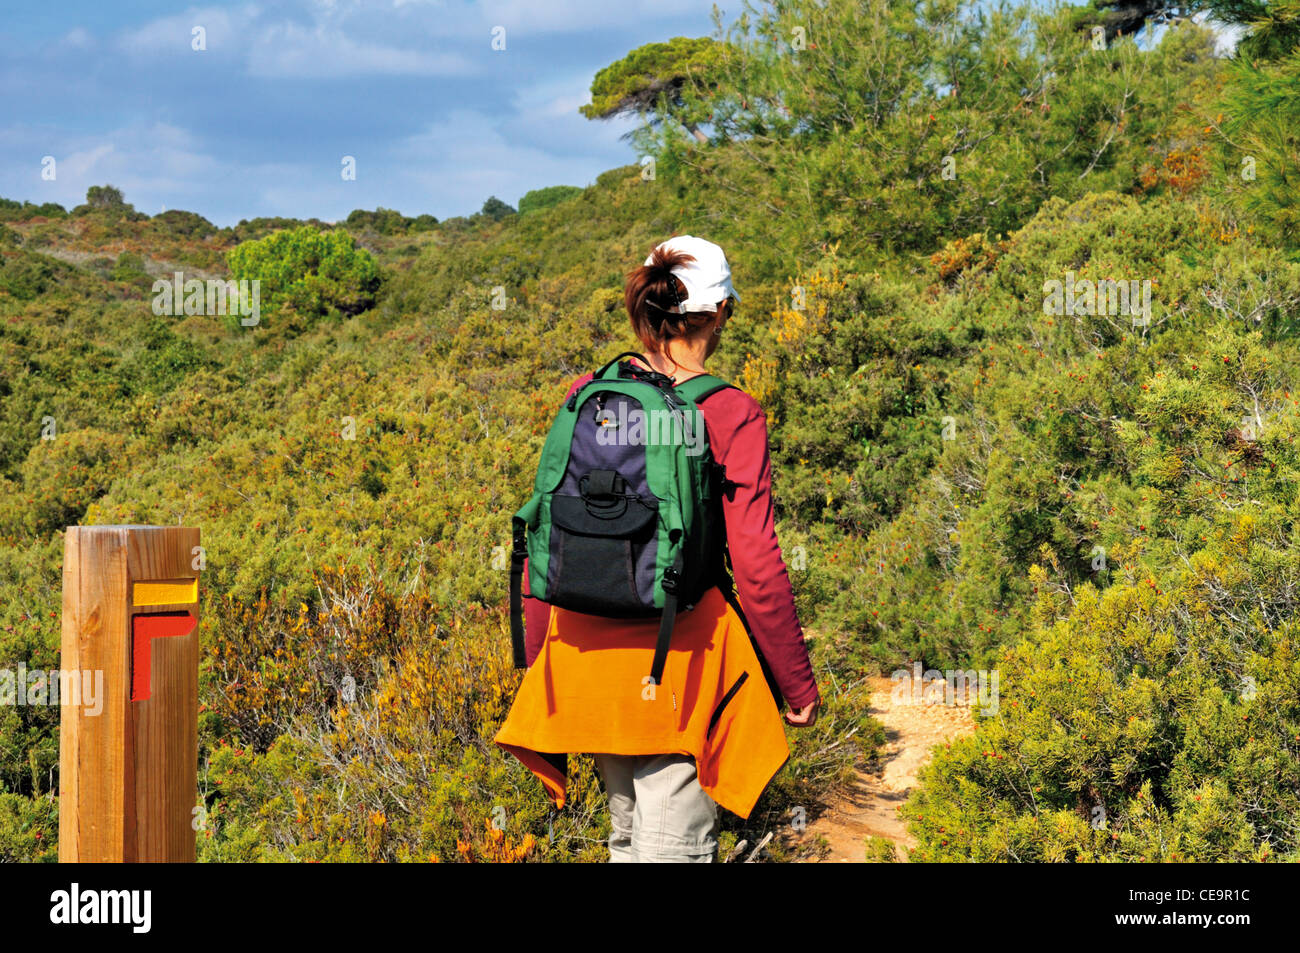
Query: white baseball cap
x=707 y=278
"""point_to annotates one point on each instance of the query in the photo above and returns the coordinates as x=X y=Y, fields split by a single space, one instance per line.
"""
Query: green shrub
x=308 y=273
x=494 y=209
x=28 y=275
x=1141 y=728
x=12 y=211
x=128 y=267
x=386 y=221
x=552 y=195
x=181 y=224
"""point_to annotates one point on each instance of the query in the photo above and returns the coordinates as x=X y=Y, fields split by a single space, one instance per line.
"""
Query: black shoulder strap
x=672 y=577
x=518 y=553
x=601 y=373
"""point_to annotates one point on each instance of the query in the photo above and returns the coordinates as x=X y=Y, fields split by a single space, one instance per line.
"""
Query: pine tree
x=1261 y=102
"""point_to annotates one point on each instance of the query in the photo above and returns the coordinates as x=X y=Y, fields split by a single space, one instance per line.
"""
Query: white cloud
x=82 y=163
x=321 y=39
x=559 y=98
x=562 y=16
x=464 y=158
x=545 y=113
x=225 y=32
x=79 y=39
x=337 y=40
x=288 y=50
x=144 y=160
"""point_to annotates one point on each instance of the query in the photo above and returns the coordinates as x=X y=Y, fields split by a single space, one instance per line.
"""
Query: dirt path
x=870 y=808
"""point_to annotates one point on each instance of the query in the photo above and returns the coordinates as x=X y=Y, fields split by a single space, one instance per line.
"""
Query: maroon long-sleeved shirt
x=737 y=429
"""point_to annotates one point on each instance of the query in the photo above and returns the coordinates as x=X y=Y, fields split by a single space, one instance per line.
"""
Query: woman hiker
x=712 y=734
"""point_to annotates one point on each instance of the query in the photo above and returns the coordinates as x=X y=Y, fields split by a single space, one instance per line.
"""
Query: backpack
x=625 y=520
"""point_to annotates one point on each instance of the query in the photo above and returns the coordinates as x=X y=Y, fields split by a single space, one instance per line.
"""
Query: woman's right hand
x=805 y=717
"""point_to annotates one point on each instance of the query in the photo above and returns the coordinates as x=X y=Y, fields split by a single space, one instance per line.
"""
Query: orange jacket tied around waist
x=584 y=693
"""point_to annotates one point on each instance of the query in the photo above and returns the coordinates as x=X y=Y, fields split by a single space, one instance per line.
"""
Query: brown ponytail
x=652 y=288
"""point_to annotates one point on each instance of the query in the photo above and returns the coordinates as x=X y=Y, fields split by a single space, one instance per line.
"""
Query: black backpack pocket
x=602 y=555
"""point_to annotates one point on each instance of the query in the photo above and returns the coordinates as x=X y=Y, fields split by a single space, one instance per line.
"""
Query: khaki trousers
x=660 y=814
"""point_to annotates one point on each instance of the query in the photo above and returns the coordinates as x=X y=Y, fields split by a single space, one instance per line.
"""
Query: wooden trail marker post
x=128 y=776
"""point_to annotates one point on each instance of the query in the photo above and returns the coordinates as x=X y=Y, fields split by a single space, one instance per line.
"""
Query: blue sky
x=258 y=122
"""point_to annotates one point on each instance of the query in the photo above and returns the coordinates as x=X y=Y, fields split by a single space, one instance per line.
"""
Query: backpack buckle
x=670 y=579
x=602 y=484
x=519 y=552
x=650 y=377
x=604 y=493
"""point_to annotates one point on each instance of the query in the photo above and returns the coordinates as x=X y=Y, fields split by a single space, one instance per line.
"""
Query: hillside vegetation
x=1098 y=506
